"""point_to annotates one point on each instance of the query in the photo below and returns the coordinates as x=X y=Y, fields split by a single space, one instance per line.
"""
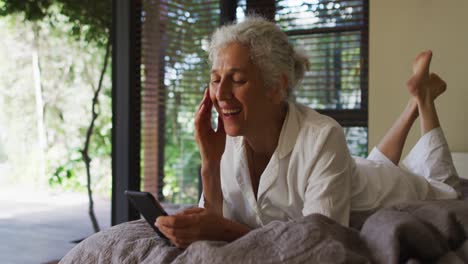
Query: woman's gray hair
x=269 y=49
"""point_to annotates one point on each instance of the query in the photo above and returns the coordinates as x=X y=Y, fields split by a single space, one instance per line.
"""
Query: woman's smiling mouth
x=230 y=111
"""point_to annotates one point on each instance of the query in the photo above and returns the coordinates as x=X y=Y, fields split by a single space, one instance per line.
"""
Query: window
x=175 y=69
x=334 y=36
x=175 y=72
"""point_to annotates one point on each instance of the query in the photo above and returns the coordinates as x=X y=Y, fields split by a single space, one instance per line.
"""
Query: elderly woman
x=272 y=159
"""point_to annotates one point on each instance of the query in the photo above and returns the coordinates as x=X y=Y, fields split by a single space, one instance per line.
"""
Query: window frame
x=345 y=117
x=127 y=101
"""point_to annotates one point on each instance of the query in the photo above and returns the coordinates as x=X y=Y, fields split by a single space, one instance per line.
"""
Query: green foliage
x=356 y=137
x=65 y=175
x=89 y=19
x=32 y=10
x=70 y=67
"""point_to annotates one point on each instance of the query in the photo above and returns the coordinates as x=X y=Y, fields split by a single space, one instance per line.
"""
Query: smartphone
x=145 y=203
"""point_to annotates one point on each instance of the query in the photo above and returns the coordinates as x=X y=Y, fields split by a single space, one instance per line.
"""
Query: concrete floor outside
x=39 y=227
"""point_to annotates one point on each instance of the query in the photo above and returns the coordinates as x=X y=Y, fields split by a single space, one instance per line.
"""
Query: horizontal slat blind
x=152 y=111
x=333 y=34
x=176 y=74
x=297 y=15
x=334 y=78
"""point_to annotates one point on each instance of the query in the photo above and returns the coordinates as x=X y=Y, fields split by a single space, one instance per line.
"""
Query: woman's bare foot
x=424 y=88
x=424 y=85
x=437 y=85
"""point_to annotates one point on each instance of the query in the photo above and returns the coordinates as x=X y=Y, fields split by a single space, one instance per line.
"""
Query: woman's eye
x=215 y=81
x=239 y=81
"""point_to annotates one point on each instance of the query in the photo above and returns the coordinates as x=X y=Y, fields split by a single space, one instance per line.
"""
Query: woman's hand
x=198 y=224
x=210 y=143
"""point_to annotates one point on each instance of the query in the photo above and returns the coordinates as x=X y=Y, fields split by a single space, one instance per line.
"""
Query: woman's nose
x=224 y=91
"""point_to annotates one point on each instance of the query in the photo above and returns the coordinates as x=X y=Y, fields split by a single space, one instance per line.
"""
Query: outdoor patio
x=39 y=227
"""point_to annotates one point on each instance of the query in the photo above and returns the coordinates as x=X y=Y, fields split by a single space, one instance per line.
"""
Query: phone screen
x=145 y=203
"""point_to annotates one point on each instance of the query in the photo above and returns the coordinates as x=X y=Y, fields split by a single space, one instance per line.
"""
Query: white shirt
x=309 y=172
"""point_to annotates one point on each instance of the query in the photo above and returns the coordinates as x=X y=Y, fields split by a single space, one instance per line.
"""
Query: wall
x=399 y=29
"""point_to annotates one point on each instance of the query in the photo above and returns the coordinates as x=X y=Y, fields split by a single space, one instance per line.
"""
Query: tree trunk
x=89 y=132
x=41 y=137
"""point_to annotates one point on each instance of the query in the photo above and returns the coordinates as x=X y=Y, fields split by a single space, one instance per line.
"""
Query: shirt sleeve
x=328 y=184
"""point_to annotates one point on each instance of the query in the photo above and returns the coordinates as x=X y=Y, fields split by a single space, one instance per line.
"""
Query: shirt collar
x=289 y=131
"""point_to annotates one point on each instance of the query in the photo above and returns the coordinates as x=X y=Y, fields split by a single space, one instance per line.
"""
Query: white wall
x=399 y=29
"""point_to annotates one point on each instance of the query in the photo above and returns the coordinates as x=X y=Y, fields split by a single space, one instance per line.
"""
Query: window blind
x=334 y=36
x=176 y=72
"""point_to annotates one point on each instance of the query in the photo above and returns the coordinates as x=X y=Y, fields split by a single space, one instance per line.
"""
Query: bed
x=417 y=232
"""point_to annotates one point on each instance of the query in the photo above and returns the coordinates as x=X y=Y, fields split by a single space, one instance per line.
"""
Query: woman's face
x=238 y=92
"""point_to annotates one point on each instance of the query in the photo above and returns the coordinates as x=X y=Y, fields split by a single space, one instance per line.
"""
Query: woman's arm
x=211 y=145
x=328 y=190
x=212 y=193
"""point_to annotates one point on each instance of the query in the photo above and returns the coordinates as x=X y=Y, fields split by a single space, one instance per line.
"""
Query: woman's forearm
x=212 y=193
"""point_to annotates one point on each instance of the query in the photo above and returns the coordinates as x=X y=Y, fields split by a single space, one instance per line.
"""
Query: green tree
x=90 y=21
